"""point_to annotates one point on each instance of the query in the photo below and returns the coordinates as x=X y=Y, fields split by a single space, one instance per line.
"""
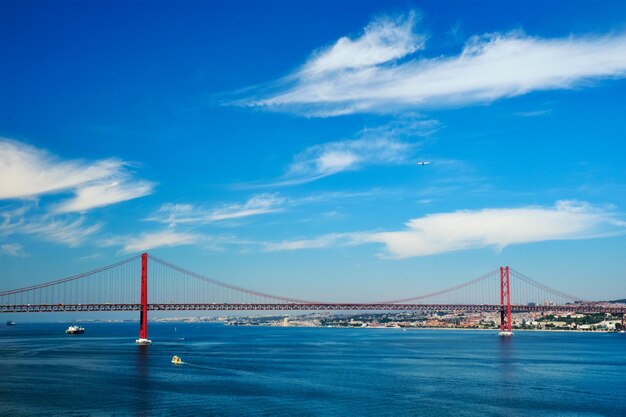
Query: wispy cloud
x=67 y=230
x=386 y=38
x=321 y=161
x=89 y=257
x=13 y=249
x=104 y=194
x=71 y=232
x=26 y=172
x=324 y=241
x=186 y=215
x=488 y=228
x=391 y=144
x=534 y=113
x=379 y=71
x=173 y=214
x=152 y=240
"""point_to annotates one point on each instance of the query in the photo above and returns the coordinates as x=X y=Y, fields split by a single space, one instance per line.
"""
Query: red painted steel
x=277 y=303
x=505 y=296
x=143 y=315
x=59 y=308
x=508 y=300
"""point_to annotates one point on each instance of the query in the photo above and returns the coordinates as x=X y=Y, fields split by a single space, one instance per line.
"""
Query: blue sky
x=272 y=144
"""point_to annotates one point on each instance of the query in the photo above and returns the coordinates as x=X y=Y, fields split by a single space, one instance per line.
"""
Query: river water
x=275 y=371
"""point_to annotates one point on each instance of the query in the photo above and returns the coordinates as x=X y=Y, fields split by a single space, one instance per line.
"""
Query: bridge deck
x=46 y=308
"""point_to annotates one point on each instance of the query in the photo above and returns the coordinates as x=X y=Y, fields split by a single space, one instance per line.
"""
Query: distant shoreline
x=182 y=321
x=447 y=328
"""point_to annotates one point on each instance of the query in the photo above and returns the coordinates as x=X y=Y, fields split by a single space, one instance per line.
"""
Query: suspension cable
x=531 y=281
x=71 y=278
x=447 y=290
x=230 y=286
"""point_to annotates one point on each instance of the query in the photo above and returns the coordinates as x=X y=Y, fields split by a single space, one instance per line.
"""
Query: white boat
x=506 y=334
x=143 y=341
x=75 y=330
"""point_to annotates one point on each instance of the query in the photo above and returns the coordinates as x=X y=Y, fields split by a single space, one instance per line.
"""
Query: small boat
x=75 y=330
x=177 y=360
x=10 y=323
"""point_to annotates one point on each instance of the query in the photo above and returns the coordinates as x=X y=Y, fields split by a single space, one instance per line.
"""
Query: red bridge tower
x=505 y=302
x=143 y=313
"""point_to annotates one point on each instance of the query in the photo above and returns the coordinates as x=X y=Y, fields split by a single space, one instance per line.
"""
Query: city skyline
x=285 y=160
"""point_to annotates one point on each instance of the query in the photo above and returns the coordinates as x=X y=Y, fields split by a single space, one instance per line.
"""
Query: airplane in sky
x=422 y=163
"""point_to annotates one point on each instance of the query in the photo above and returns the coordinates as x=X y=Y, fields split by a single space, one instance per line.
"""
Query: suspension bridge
x=123 y=286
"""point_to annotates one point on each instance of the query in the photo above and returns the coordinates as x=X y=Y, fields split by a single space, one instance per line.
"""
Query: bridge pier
x=506 y=329
x=143 y=312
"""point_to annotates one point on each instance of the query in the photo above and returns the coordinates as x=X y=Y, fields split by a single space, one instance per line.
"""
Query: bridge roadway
x=52 y=308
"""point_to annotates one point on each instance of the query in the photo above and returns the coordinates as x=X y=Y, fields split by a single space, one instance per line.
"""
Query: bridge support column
x=143 y=313
x=505 y=303
x=622 y=330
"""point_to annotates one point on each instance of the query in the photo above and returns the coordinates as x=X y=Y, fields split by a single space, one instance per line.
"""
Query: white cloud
x=489 y=67
x=66 y=230
x=321 y=161
x=26 y=171
x=383 y=40
x=70 y=232
x=324 y=241
x=89 y=257
x=104 y=194
x=463 y=230
x=383 y=145
x=13 y=249
x=12 y=217
x=173 y=214
x=258 y=204
x=152 y=240
x=534 y=113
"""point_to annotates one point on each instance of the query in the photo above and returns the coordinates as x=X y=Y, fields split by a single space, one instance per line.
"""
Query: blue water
x=266 y=371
